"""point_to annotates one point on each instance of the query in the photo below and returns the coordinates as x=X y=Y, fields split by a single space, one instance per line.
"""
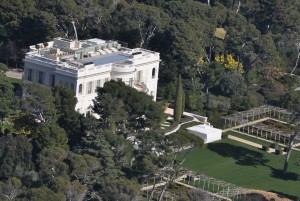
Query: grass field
x=16 y=81
x=246 y=166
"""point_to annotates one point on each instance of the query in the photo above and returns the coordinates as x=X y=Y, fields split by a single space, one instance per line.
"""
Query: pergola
x=261 y=112
x=267 y=132
x=249 y=122
x=220 y=190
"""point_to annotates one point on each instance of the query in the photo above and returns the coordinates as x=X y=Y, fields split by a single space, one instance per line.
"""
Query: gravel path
x=253 y=144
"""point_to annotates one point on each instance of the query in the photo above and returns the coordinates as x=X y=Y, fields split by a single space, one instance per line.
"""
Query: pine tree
x=178 y=109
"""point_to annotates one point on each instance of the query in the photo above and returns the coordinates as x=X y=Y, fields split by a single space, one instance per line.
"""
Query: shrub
x=265 y=148
x=224 y=135
x=285 y=149
x=278 y=151
x=275 y=146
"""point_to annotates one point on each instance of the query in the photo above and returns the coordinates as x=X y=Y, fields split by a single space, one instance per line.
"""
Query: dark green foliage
x=39 y=27
x=119 y=105
x=8 y=102
x=3 y=68
x=152 y=153
x=39 y=102
x=272 y=91
x=51 y=163
x=232 y=84
x=51 y=136
x=45 y=194
x=261 y=35
x=178 y=108
x=68 y=118
x=96 y=145
x=120 y=189
x=15 y=156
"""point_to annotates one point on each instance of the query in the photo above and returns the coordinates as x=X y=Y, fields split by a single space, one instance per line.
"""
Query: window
x=153 y=73
x=98 y=84
x=40 y=78
x=53 y=81
x=29 y=75
x=139 y=76
x=80 y=89
x=89 y=87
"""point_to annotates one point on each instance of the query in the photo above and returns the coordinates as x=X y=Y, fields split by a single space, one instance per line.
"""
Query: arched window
x=80 y=89
x=153 y=73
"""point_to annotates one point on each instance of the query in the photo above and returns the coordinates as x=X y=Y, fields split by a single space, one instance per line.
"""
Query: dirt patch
x=269 y=195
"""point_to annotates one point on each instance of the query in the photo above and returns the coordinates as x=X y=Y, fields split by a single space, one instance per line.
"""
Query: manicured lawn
x=246 y=166
x=14 y=80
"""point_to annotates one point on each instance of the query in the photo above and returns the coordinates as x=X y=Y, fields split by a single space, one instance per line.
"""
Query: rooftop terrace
x=71 y=53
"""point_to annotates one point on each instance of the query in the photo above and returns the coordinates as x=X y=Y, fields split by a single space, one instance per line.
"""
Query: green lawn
x=246 y=166
x=15 y=81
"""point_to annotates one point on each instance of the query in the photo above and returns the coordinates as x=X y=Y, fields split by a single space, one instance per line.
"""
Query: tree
x=123 y=106
x=97 y=146
x=51 y=163
x=232 y=84
x=121 y=190
x=11 y=188
x=51 y=136
x=178 y=109
x=15 y=156
x=39 y=102
x=293 y=139
x=7 y=99
x=45 y=194
x=111 y=111
x=73 y=190
x=3 y=68
x=38 y=27
x=84 y=167
x=68 y=119
x=230 y=63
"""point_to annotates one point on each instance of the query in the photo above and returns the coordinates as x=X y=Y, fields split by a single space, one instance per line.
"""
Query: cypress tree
x=183 y=101
x=178 y=109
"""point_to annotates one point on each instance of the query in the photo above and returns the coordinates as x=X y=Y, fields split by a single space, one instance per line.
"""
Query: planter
x=265 y=148
x=278 y=152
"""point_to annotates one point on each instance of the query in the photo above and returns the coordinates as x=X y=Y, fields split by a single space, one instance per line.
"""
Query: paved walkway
x=253 y=144
x=170 y=112
x=14 y=74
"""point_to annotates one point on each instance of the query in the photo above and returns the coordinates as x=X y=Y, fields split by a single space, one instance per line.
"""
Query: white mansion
x=85 y=65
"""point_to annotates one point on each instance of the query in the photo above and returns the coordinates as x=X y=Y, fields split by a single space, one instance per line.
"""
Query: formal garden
x=246 y=166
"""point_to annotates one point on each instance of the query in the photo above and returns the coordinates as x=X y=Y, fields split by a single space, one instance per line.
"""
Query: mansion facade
x=85 y=65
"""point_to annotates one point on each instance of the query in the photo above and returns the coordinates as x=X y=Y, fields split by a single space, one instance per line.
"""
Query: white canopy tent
x=206 y=132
